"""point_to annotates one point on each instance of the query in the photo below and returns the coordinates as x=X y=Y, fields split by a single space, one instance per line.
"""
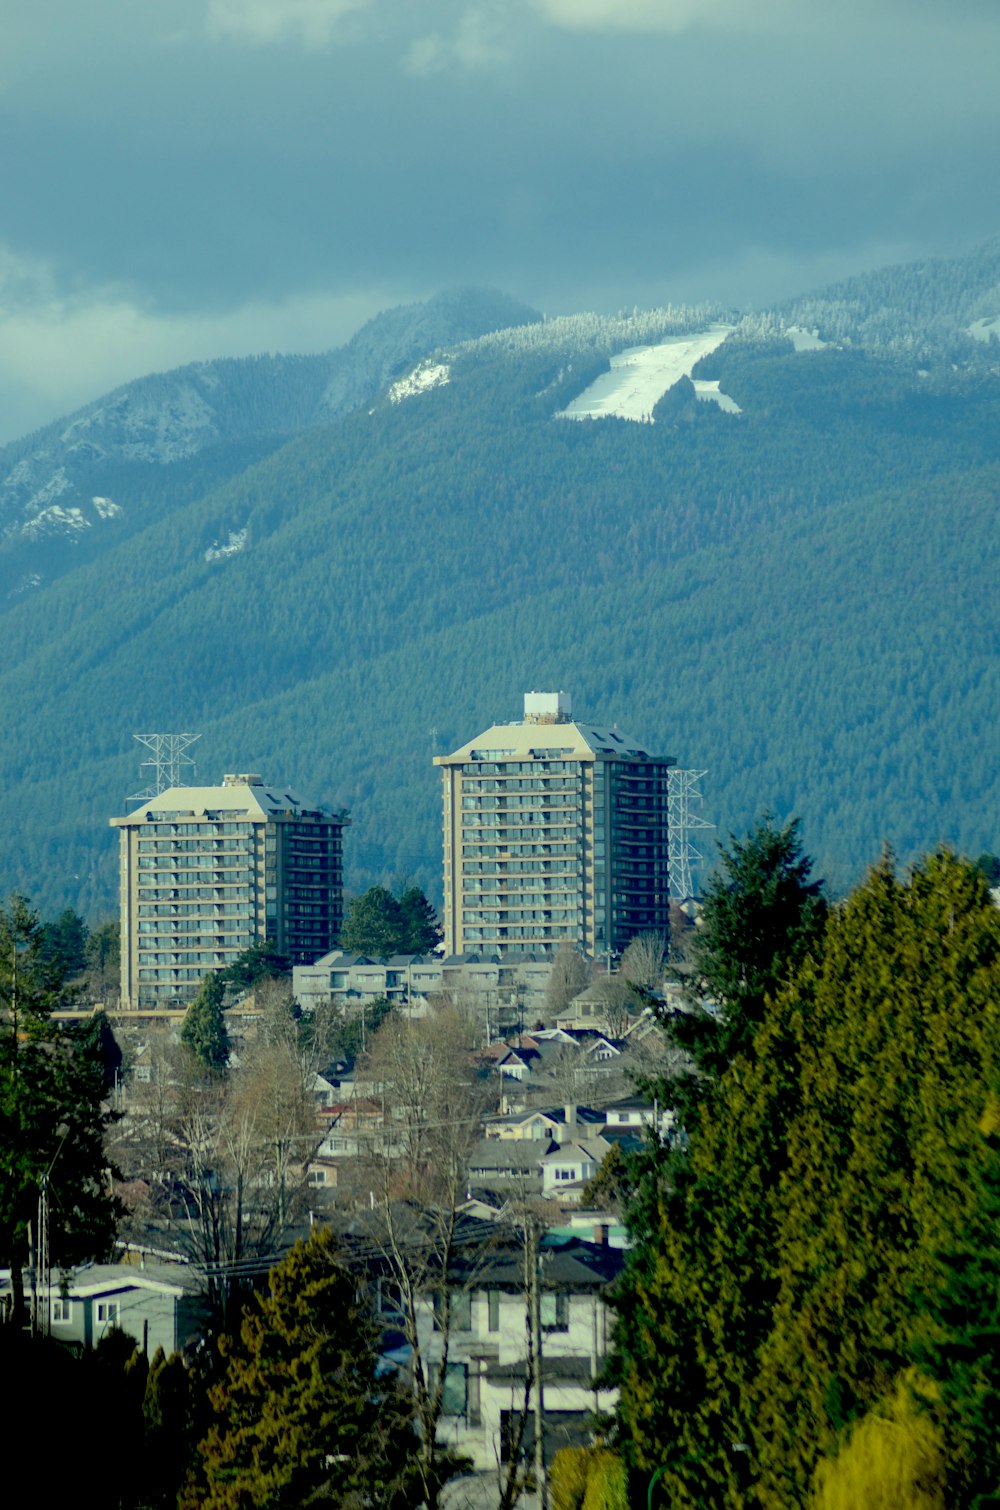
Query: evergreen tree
x=957 y=1336
x=300 y=1415
x=204 y=1029
x=420 y=932
x=167 y=1415
x=835 y=1172
x=899 y=1051
x=52 y=1111
x=761 y=916
x=64 y=944
x=374 y=924
x=261 y=961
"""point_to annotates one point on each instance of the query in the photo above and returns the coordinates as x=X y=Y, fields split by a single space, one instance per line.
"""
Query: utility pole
x=541 y=1482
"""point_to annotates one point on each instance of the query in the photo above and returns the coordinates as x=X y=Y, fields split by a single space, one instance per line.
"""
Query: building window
x=108 y=1312
x=459 y=1312
x=493 y=1310
x=62 y=1310
x=456 y=1390
x=555 y=1312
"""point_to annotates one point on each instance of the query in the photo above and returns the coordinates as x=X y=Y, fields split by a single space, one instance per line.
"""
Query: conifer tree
x=52 y=1110
x=836 y=1175
x=373 y=925
x=204 y=1029
x=762 y=914
x=420 y=931
x=300 y=1413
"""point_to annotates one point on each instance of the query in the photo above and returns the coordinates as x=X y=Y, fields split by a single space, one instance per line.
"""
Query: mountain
x=86 y=482
x=795 y=589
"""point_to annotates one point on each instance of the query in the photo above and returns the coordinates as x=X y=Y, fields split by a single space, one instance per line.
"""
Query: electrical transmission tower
x=168 y=760
x=682 y=821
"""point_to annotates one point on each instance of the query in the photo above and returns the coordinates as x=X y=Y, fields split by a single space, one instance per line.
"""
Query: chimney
x=569 y=1130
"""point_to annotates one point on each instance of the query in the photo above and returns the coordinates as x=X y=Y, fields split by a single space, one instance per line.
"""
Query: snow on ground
x=56 y=520
x=107 y=508
x=236 y=542
x=708 y=391
x=805 y=340
x=641 y=375
x=981 y=330
x=428 y=374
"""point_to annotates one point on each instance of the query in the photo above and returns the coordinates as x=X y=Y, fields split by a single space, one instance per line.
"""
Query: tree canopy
x=380 y=925
x=52 y=1110
x=832 y=1234
x=300 y=1414
x=204 y=1027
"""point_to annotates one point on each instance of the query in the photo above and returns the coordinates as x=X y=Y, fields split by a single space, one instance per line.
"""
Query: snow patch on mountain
x=982 y=330
x=56 y=521
x=707 y=389
x=107 y=508
x=425 y=376
x=147 y=425
x=28 y=583
x=805 y=340
x=235 y=543
x=641 y=375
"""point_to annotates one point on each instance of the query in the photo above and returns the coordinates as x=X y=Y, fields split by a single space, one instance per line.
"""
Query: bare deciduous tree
x=571 y=973
x=643 y=961
x=432 y=1097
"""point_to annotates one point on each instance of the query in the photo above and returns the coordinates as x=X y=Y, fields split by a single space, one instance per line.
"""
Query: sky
x=217 y=177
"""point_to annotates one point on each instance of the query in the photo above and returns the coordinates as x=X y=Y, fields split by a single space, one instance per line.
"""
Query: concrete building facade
x=555 y=832
x=207 y=871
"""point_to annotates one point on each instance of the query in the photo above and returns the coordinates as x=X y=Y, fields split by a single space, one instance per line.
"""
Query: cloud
x=666 y=15
x=479 y=40
x=61 y=348
x=313 y=23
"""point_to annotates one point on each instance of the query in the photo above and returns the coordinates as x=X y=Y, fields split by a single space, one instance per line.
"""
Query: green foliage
x=588 y=1478
x=261 y=961
x=52 y=1112
x=379 y=924
x=892 y=1459
x=64 y=944
x=373 y=924
x=103 y=950
x=957 y=1335
x=204 y=1028
x=762 y=915
x=801 y=561
x=420 y=932
x=167 y=1421
x=568 y=1477
x=817 y=1240
x=300 y=1414
x=612 y=1185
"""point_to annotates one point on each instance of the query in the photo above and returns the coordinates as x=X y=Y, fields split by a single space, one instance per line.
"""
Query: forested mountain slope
x=81 y=485
x=800 y=597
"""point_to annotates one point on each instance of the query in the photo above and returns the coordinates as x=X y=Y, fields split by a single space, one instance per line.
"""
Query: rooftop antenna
x=168 y=760
x=682 y=791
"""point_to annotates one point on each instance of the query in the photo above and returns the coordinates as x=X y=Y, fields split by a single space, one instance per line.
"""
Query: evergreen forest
x=798 y=598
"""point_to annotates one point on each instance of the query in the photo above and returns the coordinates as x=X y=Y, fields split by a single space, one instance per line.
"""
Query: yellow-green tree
x=884 y=1156
x=797 y=1262
x=299 y=1412
x=892 y=1459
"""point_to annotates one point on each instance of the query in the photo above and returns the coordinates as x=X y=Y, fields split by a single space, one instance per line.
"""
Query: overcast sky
x=214 y=177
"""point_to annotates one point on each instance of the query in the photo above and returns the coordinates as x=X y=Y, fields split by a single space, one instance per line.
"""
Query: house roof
x=575 y=1150
x=109 y=1279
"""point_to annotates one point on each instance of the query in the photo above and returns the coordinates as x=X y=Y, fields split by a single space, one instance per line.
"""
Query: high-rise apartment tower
x=555 y=831
x=208 y=870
